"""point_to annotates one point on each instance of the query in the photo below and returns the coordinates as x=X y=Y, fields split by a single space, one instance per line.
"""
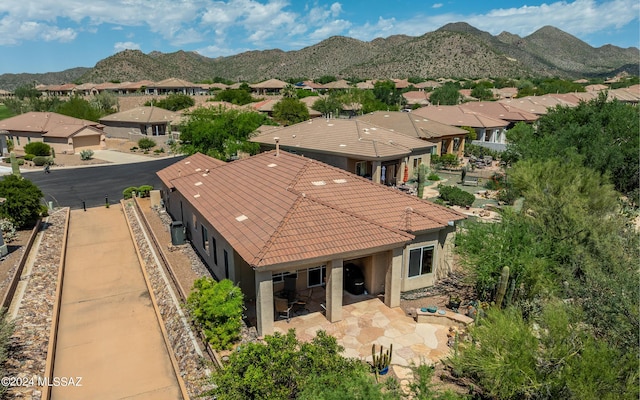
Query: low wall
x=449 y=318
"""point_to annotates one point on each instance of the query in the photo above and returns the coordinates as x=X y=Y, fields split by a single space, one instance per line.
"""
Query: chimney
x=277 y=139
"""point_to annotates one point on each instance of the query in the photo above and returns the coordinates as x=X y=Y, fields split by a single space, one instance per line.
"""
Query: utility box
x=177 y=233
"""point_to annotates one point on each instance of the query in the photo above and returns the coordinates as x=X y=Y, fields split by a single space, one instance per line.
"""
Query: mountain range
x=455 y=50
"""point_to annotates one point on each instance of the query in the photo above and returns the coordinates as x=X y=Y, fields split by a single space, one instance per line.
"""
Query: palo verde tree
x=22 y=204
x=447 y=94
x=290 y=110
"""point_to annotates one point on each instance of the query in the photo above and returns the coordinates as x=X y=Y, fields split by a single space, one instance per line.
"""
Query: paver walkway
x=108 y=334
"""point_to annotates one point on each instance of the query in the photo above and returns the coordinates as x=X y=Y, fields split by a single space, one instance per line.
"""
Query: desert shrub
x=146 y=143
x=456 y=196
x=158 y=151
x=20 y=161
x=40 y=161
x=86 y=155
x=22 y=204
x=445 y=161
x=143 y=191
x=28 y=157
x=134 y=148
x=37 y=149
x=128 y=192
x=433 y=177
x=216 y=308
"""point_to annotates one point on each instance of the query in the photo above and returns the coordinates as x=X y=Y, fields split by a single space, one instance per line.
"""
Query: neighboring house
x=268 y=87
x=148 y=121
x=367 y=150
x=504 y=93
x=266 y=106
x=501 y=111
x=174 y=86
x=5 y=94
x=339 y=84
x=66 y=135
x=417 y=98
x=57 y=90
x=538 y=105
x=490 y=131
x=448 y=139
x=276 y=214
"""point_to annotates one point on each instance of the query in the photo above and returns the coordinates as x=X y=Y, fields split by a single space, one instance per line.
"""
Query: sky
x=53 y=35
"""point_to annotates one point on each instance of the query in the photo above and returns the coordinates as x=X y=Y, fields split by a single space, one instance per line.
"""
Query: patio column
x=463 y=141
x=264 y=303
x=376 y=171
x=334 y=291
x=393 y=279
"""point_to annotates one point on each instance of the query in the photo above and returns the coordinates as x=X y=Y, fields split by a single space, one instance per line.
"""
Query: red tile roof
x=45 y=122
x=278 y=208
x=197 y=163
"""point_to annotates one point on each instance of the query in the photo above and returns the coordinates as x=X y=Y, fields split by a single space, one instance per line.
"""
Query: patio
x=367 y=320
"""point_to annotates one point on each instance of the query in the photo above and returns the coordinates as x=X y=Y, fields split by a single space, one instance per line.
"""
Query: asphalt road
x=69 y=187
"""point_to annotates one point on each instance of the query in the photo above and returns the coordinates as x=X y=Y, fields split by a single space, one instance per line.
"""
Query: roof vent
x=241 y=218
x=197 y=195
x=272 y=165
x=198 y=169
x=318 y=183
x=198 y=183
x=343 y=145
x=340 y=181
x=187 y=162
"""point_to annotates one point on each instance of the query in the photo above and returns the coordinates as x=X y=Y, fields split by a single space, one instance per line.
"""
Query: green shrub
x=37 y=149
x=40 y=161
x=433 y=177
x=128 y=192
x=86 y=155
x=20 y=161
x=158 y=151
x=146 y=143
x=29 y=157
x=143 y=191
x=216 y=307
x=445 y=161
x=456 y=196
x=496 y=182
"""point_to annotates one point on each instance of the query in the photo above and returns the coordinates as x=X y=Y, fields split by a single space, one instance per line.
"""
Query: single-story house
x=501 y=111
x=146 y=120
x=359 y=147
x=258 y=220
x=448 y=139
x=269 y=87
x=266 y=106
x=491 y=132
x=63 y=133
x=174 y=86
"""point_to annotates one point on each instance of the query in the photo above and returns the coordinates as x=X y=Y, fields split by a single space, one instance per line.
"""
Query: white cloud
x=332 y=28
x=120 y=46
x=436 y=5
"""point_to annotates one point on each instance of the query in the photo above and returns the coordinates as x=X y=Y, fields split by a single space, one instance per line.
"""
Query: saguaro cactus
x=15 y=168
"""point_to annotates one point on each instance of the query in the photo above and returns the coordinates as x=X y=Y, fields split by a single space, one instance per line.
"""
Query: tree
x=220 y=133
x=28 y=91
x=173 y=102
x=482 y=92
x=37 y=149
x=386 y=92
x=284 y=368
x=323 y=80
x=216 y=308
x=289 y=111
x=105 y=102
x=447 y=94
x=327 y=105
x=22 y=201
x=78 y=107
x=235 y=96
x=603 y=134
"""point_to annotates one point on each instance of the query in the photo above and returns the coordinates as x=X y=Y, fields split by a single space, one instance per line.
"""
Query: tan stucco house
x=359 y=147
x=139 y=121
x=63 y=133
x=277 y=214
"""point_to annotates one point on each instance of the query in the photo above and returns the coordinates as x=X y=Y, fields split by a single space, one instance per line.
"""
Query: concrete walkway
x=108 y=334
x=119 y=157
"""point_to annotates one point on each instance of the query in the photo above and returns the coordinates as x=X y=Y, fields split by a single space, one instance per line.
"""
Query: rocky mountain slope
x=454 y=50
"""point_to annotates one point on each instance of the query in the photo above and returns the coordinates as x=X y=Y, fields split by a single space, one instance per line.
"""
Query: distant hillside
x=455 y=50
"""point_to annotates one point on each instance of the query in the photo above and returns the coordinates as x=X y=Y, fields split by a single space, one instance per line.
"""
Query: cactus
x=502 y=286
x=381 y=361
x=15 y=168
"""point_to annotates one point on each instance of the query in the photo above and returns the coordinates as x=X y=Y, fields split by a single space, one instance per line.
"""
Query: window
x=416 y=162
x=279 y=276
x=316 y=276
x=226 y=264
x=205 y=238
x=215 y=250
x=420 y=261
x=361 y=168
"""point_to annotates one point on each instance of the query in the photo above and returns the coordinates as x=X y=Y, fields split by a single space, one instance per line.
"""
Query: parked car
x=353 y=279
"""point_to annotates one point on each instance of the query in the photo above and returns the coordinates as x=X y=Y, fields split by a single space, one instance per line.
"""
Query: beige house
x=359 y=147
x=174 y=86
x=490 y=131
x=66 y=135
x=269 y=87
x=448 y=139
x=139 y=121
x=275 y=215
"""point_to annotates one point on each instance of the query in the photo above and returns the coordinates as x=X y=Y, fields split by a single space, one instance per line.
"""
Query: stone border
x=449 y=318
x=55 y=317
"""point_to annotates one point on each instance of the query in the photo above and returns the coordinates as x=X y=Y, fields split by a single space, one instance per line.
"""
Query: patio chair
x=283 y=308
